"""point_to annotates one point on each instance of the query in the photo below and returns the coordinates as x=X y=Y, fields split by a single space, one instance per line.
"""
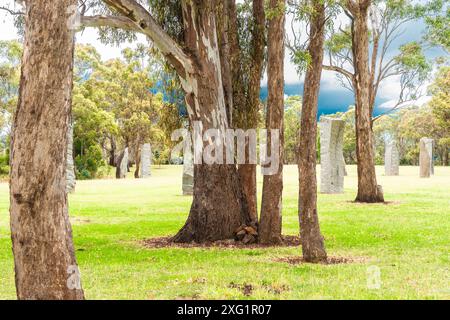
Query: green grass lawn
x=408 y=240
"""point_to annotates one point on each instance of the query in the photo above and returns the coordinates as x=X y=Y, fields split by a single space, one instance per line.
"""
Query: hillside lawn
x=408 y=239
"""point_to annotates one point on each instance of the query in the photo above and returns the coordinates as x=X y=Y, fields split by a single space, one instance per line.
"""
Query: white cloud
x=391 y=103
x=8 y=29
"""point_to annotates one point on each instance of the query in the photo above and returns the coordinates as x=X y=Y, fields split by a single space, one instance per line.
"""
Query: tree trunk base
x=317 y=257
x=218 y=208
x=275 y=241
x=247 y=176
x=371 y=198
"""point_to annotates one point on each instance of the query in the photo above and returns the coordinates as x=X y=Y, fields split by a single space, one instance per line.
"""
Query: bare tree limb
x=338 y=70
x=12 y=12
x=110 y=21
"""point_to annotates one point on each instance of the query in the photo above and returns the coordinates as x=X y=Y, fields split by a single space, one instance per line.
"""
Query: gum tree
x=44 y=257
x=219 y=206
x=308 y=55
x=360 y=55
x=271 y=207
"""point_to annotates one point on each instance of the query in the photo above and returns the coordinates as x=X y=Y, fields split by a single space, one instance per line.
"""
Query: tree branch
x=110 y=21
x=143 y=20
x=11 y=12
x=338 y=70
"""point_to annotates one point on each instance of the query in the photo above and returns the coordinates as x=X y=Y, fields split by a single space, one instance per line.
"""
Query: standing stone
x=345 y=165
x=122 y=165
x=70 y=168
x=188 y=172
x=146 y=161
x=391 y=159
x=426 y=157
x=332 y=157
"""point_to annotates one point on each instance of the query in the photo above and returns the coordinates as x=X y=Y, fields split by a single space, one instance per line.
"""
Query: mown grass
x=407 y=239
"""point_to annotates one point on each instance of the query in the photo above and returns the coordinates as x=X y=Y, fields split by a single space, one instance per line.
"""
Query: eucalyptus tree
x=218 y=57
x=247 y=38
x=438 y=25
x=361 y=55
x=186 y=34
x=44 y=258
x=308 y=54
x=271 y=207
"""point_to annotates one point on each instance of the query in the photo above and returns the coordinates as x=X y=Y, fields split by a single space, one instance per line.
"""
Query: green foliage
x=339 y=42
x=411 y=57
x=387 y=20
x=301 y=59
x=438 y=31
x=114 y=107
x=440 y=104
x=292 y=121
x=10 y=56
x=275 y=12
x=301 y=13
x=407 y=126
x=88 y=162
x=4 y=164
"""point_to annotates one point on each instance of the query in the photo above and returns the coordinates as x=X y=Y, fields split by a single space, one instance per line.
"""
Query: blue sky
x=333 y=97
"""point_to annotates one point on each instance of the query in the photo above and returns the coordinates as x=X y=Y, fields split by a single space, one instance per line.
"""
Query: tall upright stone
x=426 y=157
x=344 y=164
x=188 y=172
x=391 y=159
x=146 y=161
x=70 y=167
x=122 y=165
x=331 y=153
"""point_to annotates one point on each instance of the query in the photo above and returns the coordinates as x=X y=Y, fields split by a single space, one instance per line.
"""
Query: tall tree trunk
x=250 y=112
x=219 y=206
x=41 y=234
x=368 y=190
x=112 y=153
x=313 y=247
x=270 y=222
x=245 y=94
x=137 y=161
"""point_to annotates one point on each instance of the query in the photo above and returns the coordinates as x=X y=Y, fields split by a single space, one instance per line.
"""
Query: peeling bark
x=219 y=206
x=41 y=233
x=198 y=65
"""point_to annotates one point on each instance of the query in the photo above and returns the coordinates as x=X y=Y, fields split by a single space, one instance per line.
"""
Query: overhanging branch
x=12 y=12
x=143 y=20
x=339 y=70
x=109 y=21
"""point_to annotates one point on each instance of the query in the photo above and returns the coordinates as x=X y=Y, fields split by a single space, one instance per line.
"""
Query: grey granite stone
x=426 y=157
x=391 y=159
x=331 y=154
x=146 y=161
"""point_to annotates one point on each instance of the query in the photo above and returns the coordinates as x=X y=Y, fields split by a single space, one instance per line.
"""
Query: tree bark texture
x=41 y=234
x=219 y=206
x=313 y=247
x=368 y=190
x=245 y=92
x=271 y=207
